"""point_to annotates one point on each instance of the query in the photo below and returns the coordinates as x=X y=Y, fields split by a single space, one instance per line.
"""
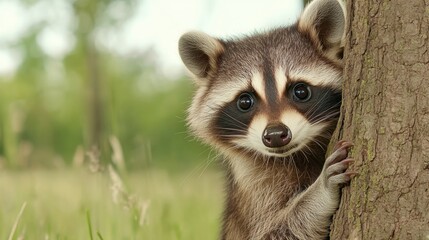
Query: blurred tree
x=92 y=15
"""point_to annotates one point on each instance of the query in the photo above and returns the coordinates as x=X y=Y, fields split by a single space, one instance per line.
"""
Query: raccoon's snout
x=276 y=135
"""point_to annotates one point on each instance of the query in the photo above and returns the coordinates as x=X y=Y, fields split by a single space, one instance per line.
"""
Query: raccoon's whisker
x=256 y=156
x=230 y=137
x=323 y=116
x=241 y=125
x=323 y=143
x=219 y=108
x=326 y=117
x=312 y=116
x=301 y=124
x=333 y=109
x=238 y=135
x=336 y=107
x=309 y=150
x=310 y=113
x=232 y=129
x=236 y=120
x=200 y=167
x=296 y=170
x=305 y=155
x=320 y=144
x=233 y=118
x=317 y=104
x=208 y=162
x=301 y=127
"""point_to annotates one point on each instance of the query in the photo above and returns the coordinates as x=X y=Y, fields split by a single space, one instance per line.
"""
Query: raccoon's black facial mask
x=316 y=103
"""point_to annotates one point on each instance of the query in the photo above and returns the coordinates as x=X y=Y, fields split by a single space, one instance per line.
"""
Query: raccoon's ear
x=324 y=21
x=199 y=52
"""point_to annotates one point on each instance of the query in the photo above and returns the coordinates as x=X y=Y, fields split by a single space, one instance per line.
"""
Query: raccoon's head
x=269 y=94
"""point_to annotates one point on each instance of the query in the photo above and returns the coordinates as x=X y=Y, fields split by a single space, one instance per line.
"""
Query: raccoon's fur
x=270 y=102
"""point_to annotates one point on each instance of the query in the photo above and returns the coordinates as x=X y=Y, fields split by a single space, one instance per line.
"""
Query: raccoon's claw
x=339 y=144
x=334 y=172
x=341 y=150
x=339 y=167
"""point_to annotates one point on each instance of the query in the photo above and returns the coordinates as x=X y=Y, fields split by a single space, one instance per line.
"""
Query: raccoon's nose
x=276 y=135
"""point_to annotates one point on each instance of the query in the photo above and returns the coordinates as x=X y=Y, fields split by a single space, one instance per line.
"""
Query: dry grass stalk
x=79 y=157
x=144 y=206
x=117 y=153
x=119 y=194
x=121 y=197
x=15 y=224
x=94 y=160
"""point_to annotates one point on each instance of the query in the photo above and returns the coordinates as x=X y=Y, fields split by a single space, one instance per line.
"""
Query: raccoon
x=269 y=103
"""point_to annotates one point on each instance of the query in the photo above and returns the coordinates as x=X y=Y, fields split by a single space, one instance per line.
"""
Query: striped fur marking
x=258 y=85
x=318 y=75
x=281 y=81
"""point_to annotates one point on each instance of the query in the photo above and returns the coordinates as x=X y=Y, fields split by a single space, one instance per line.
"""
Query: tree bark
x=386 y=114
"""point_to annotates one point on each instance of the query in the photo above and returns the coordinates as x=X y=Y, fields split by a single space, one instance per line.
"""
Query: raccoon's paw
x=334 y=171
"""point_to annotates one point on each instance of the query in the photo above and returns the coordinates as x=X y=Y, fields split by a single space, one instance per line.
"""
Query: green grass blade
x=99 y=236
x=88 y=219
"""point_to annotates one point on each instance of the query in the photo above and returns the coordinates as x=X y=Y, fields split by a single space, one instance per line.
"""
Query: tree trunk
x=386 y=115
x=95 y=98
x=87 y=15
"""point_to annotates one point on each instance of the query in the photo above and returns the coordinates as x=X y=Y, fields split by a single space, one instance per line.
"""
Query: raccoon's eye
x=245 y=102
x=301 y=92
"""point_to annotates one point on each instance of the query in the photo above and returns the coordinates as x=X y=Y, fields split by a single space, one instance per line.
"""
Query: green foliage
x=50 y=107
x=146 y=113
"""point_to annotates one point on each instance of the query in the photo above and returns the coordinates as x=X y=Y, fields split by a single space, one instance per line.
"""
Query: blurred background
x=93 y=101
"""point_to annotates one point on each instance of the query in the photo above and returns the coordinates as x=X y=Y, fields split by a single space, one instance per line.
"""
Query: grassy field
x=65 y=204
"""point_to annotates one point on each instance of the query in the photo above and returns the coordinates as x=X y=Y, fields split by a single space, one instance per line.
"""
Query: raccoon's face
x=270 y=94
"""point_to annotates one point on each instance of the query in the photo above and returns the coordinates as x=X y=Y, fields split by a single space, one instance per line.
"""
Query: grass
x=77 y=204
